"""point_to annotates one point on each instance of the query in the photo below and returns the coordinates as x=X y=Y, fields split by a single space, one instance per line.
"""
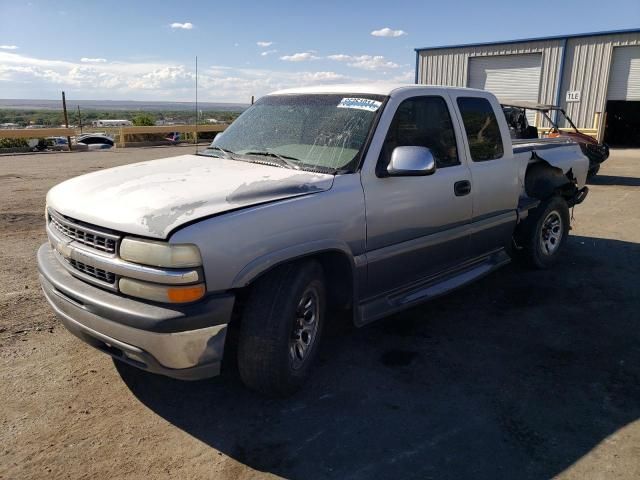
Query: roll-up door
x=508 y=77
x=624 y=79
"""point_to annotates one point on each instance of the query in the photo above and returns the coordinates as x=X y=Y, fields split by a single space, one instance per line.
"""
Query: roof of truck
x=362 y=88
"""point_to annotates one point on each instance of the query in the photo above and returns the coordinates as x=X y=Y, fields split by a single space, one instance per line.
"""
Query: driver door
x=417 y=226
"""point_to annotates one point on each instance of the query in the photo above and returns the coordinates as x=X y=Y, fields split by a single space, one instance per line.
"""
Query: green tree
x=143 y=120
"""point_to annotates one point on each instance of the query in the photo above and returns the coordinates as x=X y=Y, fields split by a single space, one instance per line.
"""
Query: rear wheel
x=543 y=233
x=281 y=328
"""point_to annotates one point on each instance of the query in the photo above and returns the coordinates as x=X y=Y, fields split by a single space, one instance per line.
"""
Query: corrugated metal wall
x=586 y=68
x=449 y=66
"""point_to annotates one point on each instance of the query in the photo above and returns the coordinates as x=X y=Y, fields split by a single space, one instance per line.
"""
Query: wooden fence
x=592 y=132
x=120 y=134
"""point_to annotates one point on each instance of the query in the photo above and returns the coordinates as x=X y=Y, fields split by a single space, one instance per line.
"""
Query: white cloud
x=322 y=77
x=406 y=77
x=163 y=78
x=365 y=62
x=299 y=57
x=93 y=60
x=183 y=26
x=23 y=76
x=264 y=44
x=387 y=32
x=268 y=52
x=8 y=47
x=245 y=82
x=340 y=57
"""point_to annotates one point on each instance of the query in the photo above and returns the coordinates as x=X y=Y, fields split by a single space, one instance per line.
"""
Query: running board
x=428 y=289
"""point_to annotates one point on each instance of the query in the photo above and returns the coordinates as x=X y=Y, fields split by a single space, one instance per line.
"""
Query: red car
x=516 y=114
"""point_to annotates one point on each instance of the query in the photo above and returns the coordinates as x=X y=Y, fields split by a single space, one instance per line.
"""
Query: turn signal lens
x=161 y=293
x=185 y=294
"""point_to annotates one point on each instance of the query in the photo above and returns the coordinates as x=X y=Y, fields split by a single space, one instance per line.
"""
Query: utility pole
x=80 y=119
x=66 y=118
x=252 y=98
x=196 y=134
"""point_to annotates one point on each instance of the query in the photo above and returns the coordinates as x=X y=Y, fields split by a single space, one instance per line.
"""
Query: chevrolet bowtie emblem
x=64 y=249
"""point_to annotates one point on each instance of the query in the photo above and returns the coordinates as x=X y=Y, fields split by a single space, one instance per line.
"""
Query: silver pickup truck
x=369 y=198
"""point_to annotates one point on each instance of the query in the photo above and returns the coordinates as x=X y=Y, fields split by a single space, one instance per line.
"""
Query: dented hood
x=153 y=198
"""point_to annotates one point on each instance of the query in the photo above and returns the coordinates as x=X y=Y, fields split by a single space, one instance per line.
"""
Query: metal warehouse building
x=595 y=77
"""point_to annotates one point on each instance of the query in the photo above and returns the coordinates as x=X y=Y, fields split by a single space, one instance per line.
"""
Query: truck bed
x=557 y=152
x=537 y=144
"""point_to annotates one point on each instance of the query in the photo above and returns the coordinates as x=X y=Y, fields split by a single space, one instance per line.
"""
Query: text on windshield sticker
x=360 y=104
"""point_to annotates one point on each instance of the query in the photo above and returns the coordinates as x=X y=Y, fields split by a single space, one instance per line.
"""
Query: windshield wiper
x=284 y=160
x=225 y=153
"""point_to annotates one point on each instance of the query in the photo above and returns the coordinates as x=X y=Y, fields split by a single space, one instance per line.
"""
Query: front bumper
x=185 y=342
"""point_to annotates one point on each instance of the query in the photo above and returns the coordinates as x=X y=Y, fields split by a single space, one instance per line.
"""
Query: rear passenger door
x=416 y=226
x=494 y=171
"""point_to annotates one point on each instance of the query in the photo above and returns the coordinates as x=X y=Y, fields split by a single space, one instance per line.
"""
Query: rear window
x=482 y=129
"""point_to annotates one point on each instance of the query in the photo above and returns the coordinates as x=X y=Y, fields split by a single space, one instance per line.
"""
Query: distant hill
x=118 y=105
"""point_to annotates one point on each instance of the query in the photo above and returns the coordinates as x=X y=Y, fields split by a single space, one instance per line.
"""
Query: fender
x=264 y=263
x=542 y=179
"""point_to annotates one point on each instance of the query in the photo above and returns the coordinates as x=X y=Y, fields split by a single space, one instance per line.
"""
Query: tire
x=543 y=233
x=276 y=347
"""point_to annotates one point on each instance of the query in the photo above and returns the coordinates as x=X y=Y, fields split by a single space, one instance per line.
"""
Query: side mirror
x=411 y=162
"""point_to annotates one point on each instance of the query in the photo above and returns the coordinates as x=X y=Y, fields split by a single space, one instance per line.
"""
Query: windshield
x=312 y=132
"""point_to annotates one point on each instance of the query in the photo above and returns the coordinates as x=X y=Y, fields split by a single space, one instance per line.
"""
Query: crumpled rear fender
x=544 y=180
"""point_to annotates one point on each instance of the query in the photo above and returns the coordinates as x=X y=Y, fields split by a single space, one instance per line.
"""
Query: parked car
x=519 y=127
x=93 y=141
x=368 y=198
x=49 y=143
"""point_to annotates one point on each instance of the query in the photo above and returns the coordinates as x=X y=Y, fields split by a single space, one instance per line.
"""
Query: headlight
x=160 y=254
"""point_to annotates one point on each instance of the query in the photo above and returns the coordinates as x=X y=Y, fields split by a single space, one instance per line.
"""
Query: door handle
x=461 y=188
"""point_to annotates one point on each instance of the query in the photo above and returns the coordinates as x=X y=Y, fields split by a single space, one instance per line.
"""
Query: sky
x=145 y=50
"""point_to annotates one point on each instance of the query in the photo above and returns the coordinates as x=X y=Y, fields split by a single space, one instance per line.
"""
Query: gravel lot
x=522 y=375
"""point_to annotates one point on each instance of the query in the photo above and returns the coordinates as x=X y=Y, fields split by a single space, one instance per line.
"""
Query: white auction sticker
x=360 y=104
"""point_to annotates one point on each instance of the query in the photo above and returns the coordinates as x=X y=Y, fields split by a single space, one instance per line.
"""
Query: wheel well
x=339 y=280
x=543 y=180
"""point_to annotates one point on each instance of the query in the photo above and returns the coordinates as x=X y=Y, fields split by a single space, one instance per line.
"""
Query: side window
x=423 y=122
x=481 y=125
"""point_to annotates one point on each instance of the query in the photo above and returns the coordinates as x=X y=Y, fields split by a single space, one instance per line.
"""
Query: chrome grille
x=88 y=236
x=93 y=271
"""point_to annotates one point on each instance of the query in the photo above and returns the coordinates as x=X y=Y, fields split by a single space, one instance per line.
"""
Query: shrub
x=13 y=142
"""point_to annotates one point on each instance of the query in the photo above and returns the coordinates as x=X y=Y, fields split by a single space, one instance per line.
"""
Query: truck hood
x=153 y=198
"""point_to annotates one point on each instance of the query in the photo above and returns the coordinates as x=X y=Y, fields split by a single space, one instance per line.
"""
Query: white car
x=94 y=141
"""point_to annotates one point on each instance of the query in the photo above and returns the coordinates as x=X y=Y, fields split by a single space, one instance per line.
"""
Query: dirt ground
x=521 y=375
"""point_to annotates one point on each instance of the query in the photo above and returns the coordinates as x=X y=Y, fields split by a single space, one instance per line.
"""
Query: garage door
x=508 y=77
x=624 y=79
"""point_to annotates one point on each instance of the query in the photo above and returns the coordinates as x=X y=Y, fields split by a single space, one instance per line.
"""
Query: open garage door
x=508 y=77
x=622 y=128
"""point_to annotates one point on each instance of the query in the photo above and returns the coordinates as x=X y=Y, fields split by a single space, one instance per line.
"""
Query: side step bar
x=430 y=288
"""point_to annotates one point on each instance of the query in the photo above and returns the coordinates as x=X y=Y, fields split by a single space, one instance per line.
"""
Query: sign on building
x=573 y=96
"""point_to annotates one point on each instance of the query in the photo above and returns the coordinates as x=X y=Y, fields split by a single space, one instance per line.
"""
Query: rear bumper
x=183 y=342
x=578 y=197
x=596 y=153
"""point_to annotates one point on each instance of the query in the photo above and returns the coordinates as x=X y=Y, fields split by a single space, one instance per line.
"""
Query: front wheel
x=543 y=233
x=281 y=328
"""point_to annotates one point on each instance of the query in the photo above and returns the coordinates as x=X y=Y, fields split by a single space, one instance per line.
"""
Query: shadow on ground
x=615 y=180
x=516 y=376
